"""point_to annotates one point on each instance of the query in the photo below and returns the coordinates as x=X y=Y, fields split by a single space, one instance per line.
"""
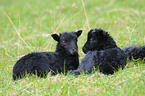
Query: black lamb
x=136 y=53
x=40 y=63
x=101 y=53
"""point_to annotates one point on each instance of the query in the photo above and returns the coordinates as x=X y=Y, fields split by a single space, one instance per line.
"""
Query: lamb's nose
x=84 y=50
x=74 y=50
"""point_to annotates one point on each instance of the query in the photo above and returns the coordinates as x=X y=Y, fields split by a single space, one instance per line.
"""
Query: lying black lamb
x=137 y=53
x=101 y=53
x=63 y=59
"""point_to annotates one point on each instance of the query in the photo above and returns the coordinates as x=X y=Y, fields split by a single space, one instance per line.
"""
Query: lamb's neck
x=66 y=55
x=106 y=45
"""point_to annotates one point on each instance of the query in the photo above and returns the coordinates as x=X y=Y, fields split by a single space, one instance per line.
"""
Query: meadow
x=26 y=26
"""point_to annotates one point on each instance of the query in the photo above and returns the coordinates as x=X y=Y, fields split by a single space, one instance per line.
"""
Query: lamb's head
x=67 y=42
x=98 y=39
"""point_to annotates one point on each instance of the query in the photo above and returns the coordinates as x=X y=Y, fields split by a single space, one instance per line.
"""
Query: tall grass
x=27 y=25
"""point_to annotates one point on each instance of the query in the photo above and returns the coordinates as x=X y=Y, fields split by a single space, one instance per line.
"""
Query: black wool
x=101 y=53
x=137 y=53
x=63 y=59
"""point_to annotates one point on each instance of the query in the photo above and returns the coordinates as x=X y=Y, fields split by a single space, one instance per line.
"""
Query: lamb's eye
x=91 y=39
x=64 y=42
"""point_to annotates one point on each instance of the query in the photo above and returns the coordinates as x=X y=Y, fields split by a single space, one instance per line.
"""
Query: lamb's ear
x=79 y=32
x=100 y=33
x=55 y=37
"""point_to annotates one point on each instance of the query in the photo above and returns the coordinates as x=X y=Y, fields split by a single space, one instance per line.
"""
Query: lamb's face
x=98 y=40
x=67 y=42
x=92 y=42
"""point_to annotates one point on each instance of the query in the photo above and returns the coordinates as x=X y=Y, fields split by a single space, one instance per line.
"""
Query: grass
x=36 y=20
